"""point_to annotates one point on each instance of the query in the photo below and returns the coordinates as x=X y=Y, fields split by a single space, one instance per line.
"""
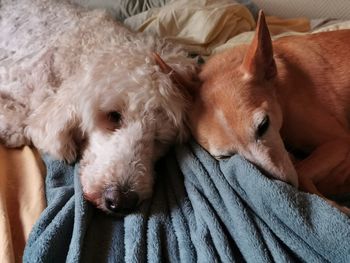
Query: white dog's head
x=120 y=114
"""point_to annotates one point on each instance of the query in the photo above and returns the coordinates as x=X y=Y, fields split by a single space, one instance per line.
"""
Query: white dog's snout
x=120 y=199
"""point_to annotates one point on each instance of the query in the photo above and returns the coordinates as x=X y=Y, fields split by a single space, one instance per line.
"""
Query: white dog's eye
x=114 y=116
x=115 y=119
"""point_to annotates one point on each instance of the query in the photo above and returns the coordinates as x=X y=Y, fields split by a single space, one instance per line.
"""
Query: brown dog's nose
x=120 y=200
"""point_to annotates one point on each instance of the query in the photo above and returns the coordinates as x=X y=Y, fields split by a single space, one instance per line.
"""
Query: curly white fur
x=63 y=69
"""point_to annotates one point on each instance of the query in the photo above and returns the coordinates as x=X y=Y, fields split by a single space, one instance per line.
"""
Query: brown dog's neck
x=308 y=87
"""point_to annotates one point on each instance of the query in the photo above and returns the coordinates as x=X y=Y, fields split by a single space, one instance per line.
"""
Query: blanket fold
x=201 y=211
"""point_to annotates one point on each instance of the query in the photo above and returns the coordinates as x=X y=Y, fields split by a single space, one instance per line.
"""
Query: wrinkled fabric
x=202 y=25
x=201 y=211
x=122 y=9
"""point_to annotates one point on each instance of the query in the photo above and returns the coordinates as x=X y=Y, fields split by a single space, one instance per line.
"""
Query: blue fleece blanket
x=202 y=211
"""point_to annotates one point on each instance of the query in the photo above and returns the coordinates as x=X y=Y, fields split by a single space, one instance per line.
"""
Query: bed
x=202 y=210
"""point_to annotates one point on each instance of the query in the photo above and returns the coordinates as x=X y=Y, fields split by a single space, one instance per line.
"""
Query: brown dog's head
x=236 y=109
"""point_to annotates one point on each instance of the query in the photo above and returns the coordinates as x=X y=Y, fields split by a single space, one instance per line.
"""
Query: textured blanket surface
x=201 y=211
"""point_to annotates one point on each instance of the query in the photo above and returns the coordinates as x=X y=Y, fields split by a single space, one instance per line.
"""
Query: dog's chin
x=93 y=198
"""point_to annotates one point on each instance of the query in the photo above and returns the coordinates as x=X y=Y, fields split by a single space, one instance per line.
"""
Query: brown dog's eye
x=263 y=127
x=223 y=157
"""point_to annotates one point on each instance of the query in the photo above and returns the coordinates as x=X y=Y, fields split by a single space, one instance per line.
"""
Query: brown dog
x=258 y=99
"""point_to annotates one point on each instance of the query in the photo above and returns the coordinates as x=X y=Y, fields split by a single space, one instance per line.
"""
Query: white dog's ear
x=54 y=128
x=187 y=85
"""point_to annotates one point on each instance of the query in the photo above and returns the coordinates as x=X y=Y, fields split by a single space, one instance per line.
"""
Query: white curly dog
x=78 y=85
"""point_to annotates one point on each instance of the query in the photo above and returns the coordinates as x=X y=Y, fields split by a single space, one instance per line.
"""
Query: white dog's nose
x=121 y=201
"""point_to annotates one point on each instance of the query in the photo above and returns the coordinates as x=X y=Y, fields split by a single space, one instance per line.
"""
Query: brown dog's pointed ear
x=259 y=59
x=187 y=85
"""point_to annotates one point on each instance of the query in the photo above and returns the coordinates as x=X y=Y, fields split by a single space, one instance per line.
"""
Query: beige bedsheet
x=202 y=25
x=247 y=37
x=22 y=199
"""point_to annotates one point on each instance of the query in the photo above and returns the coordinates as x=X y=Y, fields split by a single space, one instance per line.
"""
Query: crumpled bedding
x=200 y=24
x=204 y=26
x=22 y=196
x=121 y=9
x=201 y=211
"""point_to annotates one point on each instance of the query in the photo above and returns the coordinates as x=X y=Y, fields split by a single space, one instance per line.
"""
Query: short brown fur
x=302 y=84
